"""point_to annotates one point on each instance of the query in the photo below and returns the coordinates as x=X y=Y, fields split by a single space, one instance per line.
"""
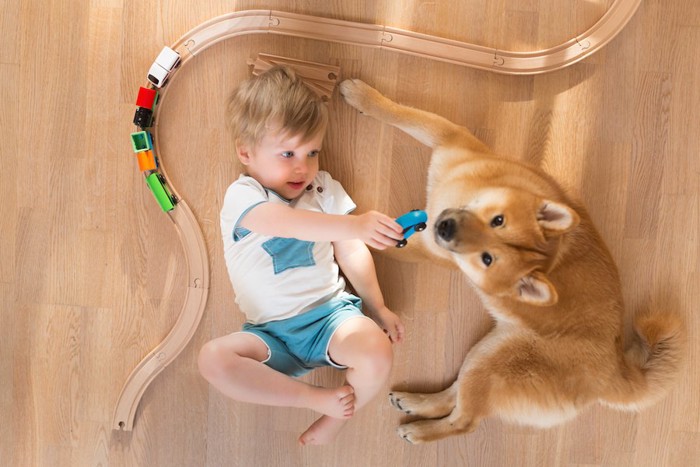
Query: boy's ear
x=242 y=153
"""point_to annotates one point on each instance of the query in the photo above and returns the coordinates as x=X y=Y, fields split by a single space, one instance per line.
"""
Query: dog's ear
x=535 y=289
x=556 y=218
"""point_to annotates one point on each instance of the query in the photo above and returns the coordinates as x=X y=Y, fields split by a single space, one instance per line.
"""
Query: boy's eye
x=288 y=154
x=314 y=153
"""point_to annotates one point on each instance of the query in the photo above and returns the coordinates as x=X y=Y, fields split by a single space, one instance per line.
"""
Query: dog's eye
x=487 y=259
x=497 y=221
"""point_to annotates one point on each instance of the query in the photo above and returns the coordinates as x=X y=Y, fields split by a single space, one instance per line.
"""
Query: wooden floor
x=92 y=274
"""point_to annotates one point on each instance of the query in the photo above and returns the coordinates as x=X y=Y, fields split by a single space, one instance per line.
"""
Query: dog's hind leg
x=471 y=406
x=422 y=431
x=469 y=397
x=473 y=374
x=428 y=128
x=505 y=374
x=435 y=405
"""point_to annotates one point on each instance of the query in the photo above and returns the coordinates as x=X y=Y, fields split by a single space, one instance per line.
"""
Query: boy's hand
x=390 y=323
x=378 y=230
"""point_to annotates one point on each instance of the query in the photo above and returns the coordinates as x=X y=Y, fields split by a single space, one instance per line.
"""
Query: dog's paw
x=404 y=433
x=360 y=95
x=396 y=399
x=410 y=433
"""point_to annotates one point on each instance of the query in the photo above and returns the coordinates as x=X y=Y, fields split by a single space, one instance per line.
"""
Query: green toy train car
x=165 y=199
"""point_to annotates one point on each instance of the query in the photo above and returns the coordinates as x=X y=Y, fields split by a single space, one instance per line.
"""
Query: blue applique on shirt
x=289 y=253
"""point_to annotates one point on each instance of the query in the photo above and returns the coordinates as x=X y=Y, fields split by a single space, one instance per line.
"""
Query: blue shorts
x=299 y=344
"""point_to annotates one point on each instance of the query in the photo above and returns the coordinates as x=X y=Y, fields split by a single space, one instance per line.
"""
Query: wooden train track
x=324 y=29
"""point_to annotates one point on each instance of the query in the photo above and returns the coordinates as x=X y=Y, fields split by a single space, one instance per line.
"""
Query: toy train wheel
x=402 y=243
x=421 y=227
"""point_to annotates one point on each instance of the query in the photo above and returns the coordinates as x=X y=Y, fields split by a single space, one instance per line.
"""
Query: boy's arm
x=357 y=264
x=374 y=228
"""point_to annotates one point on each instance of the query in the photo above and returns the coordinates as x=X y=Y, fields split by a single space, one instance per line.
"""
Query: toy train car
x=166 y=61
x=141 y=141
x=145 y=105
x=142 y=144
x=160 y=191
x=147 y=98
x=147 y=161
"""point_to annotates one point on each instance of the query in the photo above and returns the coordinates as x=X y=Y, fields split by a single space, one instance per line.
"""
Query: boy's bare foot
x=338 y=402
x=322 y=431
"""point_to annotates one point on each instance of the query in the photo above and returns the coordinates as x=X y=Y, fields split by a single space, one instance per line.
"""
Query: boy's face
x=282 y=163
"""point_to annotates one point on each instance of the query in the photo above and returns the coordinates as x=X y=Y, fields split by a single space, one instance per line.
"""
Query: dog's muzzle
x=446 y=228
x=455 y=228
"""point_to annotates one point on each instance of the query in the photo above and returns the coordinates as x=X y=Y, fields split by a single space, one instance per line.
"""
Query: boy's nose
x=301 y=167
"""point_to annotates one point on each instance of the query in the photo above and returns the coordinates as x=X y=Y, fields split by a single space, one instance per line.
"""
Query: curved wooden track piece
x=195 y=300
x=324 y=29
x=399 y=40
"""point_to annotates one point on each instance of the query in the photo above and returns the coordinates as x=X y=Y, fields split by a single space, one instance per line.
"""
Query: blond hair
x=275 y=100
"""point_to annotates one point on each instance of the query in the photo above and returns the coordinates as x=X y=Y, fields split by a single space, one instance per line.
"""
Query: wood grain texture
x=92 y=276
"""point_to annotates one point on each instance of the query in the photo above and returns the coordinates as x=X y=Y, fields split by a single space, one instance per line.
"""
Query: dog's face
x=504 y=239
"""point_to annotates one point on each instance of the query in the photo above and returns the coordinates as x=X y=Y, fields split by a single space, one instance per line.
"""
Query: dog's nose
x=446 y=229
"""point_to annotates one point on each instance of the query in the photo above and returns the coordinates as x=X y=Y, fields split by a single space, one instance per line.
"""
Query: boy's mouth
x=297 y=185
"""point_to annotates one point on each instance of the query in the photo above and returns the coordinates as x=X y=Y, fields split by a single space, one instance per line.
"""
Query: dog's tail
x=652 y=363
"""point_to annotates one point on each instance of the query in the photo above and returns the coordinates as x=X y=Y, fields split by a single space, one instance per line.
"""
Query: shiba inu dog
x=543 y=272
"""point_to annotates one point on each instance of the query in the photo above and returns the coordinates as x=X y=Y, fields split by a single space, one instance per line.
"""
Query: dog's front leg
x=416 y=252
x=428 y=128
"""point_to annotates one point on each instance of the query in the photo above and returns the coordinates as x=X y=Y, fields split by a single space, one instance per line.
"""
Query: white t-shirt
x=276 y=278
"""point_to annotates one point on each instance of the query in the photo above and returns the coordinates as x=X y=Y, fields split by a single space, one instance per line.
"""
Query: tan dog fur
x=547 y=279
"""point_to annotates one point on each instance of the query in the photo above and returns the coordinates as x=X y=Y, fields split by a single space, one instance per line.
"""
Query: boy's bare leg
x=366 y=351
x=232 y=364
